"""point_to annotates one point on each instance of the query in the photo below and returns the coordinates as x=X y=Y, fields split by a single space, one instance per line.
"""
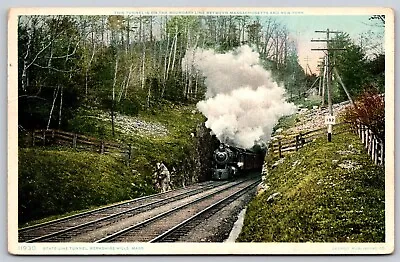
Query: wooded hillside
x=131 y=63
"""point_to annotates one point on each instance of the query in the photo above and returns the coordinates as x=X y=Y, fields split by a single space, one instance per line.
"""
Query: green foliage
x=294 y=77
x=320 y=201
x=376 y=67
x=55 y=181
x=128 y=107
x=286 y=122
x=356 y=70
x=351 y=65
x=180 y=25
x=86 y=124
x=67 y=180
x=177 y=145
x=175 y=91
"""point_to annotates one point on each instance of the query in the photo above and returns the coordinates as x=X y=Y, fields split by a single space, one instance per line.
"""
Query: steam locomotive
x=230 y=162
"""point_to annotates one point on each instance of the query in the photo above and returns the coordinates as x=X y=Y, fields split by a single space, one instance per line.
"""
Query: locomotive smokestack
x=242 y=103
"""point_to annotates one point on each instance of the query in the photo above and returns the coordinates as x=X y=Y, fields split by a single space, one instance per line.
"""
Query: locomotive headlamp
x=221 y=156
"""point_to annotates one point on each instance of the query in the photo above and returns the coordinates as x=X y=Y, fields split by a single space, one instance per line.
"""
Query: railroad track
x=66 y=228
x=170 y=225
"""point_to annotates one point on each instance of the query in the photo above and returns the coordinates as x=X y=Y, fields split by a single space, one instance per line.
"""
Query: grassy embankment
x=56 y=181
x=325 y=192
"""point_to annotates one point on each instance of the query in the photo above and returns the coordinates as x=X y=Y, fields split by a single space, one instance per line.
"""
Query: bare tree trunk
x=277 y=49
x=62 y=89
x=113 y=96
x=270 y=48
x=122 y=88
x=128 y=40
x=148 y=96
x=25 y=66
x=173 y=60
x=103 y=18
x=169 y=58
x=165 y=67
x=285 y=50
x=140 y=29
x=125 y=85
x=60 y=110
x=243 y=29
x=55 y=94
x=155 y=56
x=88 y=68
x=143 y=64
x=127 y=82
x=51 y=57
x=324 y=82
x=197 y=75
x=159 y=60
x=187 y=72
x=151 y=29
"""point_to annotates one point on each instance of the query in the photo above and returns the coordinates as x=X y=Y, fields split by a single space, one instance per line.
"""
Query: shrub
x=87 y=125
x=128 y=107
x=368 y=110
x=55 y=181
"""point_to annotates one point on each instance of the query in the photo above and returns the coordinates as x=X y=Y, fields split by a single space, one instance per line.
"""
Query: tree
x=368 y=110
x=131 y=63
x=351 y=65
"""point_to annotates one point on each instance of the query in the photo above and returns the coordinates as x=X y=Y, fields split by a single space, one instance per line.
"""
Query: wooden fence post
x=129 y=153
x=44 y=137
x=102 y=147
x=74 y=141
x=369 y=142
x=379 y=152
x=301 y=139
x=280 y=148
x=372 y=147
x=382 y=153
x=33 y=138
x=363 y=135
x=272 y=148
x=297 y=142
x=375 y=150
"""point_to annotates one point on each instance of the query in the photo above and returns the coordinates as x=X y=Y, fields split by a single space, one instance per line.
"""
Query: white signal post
x=330 y=121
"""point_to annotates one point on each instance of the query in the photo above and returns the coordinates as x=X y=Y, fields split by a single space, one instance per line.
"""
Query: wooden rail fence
x=293 y=142
x=375 y=147
x=57 y=137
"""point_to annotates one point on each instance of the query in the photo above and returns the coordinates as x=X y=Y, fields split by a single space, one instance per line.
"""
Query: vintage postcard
x=200 y=131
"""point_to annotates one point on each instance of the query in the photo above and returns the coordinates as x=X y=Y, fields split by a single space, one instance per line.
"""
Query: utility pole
x=329 y=120
x=324 y=83
x=306 y=59
x=321 y=91
x=321 y=69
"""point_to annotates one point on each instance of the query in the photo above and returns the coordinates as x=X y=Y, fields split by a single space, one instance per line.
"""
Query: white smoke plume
x=242 y=103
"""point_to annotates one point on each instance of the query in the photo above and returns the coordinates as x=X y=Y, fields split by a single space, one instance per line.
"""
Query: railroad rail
x=65 y=228
x=181 y=229
x=173 y=223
